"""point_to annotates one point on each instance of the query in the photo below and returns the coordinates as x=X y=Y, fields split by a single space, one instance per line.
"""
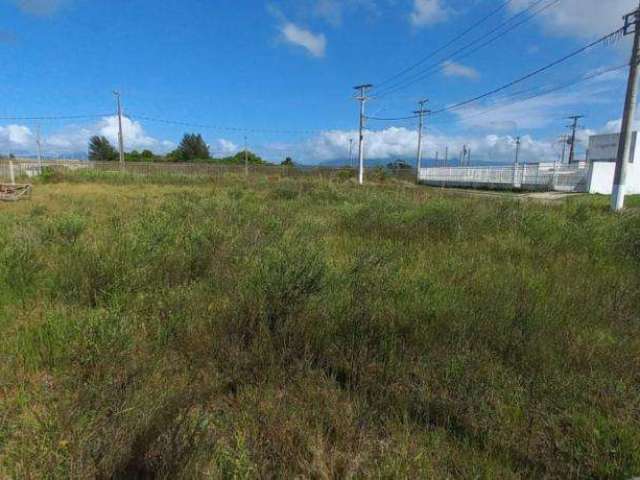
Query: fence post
x=12 y=175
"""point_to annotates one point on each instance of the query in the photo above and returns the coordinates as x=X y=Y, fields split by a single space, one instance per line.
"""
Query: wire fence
x=25 y=168
x=564 y=178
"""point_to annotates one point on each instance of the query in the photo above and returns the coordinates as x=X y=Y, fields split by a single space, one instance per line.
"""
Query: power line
x=539 y=94
x=457 y=53
x=57 y=117
x=220 y=127
x=447 y=45
x=529 y=75
x=395 y=119
x=542 y=93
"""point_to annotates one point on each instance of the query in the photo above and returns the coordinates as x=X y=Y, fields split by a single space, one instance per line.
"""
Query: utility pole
x=420 y=112
x=516 y=163
x=246 y=158
x=446 y=155
x=631 y=25
x=362 y=98
x=574 y=128
x=565 y=141
x=120 y=137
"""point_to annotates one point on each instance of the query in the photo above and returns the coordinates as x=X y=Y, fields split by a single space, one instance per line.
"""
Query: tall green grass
x=308 y=329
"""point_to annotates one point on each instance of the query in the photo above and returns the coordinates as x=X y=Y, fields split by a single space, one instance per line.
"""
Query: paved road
x=539 y=196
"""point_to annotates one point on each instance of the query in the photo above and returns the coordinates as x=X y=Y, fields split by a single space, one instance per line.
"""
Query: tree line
x=192 y=148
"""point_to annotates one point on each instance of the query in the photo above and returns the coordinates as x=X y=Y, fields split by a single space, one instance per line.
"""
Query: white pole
x=120 y=136
x=515 y=165
x=362 y=98
x=421 y=111
x=624 y=146
x=12 y=175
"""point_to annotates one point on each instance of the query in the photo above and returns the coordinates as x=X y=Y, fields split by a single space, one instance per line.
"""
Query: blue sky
x=281 y=72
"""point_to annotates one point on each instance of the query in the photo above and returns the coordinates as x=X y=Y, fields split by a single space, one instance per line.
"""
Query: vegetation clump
x=307 y=329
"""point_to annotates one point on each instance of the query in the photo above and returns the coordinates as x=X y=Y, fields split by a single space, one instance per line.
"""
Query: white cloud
x=315 y=44
x=21 y=139
x=427 y=12
x=582 y=18
x=453 y=69
x=17 y=136
x=519 y=112
x=401 y=143
x=223 y=148
x=41 y=7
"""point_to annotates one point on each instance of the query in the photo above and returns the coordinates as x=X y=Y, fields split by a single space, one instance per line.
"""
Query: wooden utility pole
x=631 y=25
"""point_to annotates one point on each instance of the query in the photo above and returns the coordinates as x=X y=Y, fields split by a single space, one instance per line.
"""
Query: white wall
x=602 y=174
x=603 y=150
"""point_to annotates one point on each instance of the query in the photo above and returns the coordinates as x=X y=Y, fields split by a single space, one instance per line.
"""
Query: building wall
x=603 y=150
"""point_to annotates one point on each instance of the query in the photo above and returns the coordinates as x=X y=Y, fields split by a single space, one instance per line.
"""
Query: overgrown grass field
x=168 y=328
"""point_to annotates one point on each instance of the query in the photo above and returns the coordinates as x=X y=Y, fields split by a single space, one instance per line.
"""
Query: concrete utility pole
x=120 y=137
x=420 y=112
x=446 y=155
x=631 y=25
x=362 y=98
x=516 y=164
x=574 y=128
x=565 y=141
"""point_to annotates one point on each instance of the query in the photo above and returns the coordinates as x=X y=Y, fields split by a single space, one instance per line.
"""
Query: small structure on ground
x=13 y=193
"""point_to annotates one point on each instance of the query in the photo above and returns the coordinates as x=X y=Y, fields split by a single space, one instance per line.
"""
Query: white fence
x=30 y=168
x=526 y=177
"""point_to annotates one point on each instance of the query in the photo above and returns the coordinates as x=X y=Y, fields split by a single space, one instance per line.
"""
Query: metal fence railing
x=31 y=168
x=565 y=178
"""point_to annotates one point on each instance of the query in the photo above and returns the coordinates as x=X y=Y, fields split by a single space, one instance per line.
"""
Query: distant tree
x=100 y=150
x=288 y=162
x=12 y=156
x=132 y=156
x=239 y=158
x=147 y=155
x=192 y=147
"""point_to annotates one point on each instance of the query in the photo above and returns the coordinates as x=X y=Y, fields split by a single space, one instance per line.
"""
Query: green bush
x=310 y=329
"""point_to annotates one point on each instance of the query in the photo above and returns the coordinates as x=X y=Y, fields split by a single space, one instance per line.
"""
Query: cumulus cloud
x=453 y=69
x=41 y=7
x=222 y=147
x=315 y=44
x=427 y=12
x=21 y=139
x=16 y=135
x=528 y=112
x=393 y=143
x=582 y=18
